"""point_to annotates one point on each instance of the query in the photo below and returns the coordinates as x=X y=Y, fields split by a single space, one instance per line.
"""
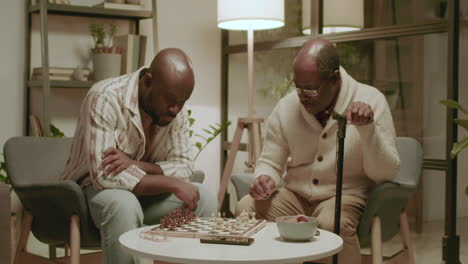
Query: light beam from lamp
x=250 y=15
x=338 y=16
x=247 y=15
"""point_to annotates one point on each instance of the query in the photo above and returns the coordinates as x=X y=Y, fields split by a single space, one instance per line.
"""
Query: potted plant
x=106 y=59
x=462 y=144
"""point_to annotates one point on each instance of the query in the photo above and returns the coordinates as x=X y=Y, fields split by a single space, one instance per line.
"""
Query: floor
x=427 y=246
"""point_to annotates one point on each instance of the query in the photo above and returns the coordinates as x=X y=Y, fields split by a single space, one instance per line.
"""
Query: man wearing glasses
x=300 y=147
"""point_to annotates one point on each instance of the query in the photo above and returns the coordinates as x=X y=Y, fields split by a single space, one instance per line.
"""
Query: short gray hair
x=327 y=61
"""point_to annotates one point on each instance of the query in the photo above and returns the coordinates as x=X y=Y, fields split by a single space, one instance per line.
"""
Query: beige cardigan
x=370 y=151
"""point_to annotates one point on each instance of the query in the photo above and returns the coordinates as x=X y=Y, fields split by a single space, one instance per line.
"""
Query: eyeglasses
x=307 y=92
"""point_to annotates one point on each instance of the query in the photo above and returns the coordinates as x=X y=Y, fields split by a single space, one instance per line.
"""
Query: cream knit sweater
x=370 y=151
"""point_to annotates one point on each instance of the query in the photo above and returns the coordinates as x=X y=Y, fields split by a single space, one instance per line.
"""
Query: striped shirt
x=110 y=117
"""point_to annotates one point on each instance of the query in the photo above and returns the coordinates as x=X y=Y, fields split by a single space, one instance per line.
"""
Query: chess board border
x=154 y=232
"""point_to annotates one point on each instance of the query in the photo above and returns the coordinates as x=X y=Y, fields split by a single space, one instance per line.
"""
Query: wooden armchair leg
x=25 y=230
x=406 y=236
x=376 y=244
x=74 y=239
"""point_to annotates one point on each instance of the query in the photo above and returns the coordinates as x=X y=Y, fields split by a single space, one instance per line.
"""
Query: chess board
x=202 y=228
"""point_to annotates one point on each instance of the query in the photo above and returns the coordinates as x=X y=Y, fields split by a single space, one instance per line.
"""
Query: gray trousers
x=116 y=211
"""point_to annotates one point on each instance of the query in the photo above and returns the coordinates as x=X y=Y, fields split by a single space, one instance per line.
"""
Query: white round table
x=268 y=247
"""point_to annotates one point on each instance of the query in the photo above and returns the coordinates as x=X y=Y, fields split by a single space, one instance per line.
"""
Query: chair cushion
x=35 y=166
x=387 y=200
x=36 y=159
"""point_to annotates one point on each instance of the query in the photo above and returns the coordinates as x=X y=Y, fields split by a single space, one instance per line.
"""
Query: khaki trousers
x=285 y=202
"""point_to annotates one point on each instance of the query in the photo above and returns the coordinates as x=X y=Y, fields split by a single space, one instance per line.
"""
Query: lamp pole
x=250 y=62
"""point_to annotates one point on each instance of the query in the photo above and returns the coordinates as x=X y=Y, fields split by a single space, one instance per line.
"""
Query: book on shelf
x=121 y=6
x=142 y=51
x=54 y=70
x=35 y=128
x=38 y=77
x=133 y=48
x=58 y=74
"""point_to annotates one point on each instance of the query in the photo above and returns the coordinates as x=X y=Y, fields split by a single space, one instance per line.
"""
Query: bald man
x=132 y=153
x=300 y=129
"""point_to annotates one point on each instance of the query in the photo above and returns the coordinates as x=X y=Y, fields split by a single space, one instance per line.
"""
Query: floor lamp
x=247 y=15
x=338 y=16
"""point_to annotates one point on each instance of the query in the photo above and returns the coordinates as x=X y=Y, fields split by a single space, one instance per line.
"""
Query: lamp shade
x=338 y=16
x=257 y=14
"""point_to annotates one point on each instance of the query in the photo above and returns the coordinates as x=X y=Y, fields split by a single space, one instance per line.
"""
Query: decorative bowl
x=297 y=227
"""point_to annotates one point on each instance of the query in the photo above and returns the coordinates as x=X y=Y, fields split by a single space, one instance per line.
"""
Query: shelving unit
x=43 y=8
x=62 y=84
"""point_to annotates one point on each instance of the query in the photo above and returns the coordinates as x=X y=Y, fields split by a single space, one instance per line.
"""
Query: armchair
x=56 y=210
x=385 y=212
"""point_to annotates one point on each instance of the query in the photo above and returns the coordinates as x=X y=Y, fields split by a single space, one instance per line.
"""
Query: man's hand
x=359 y=113
x=116 y=161
x=262 y=188
x=187 y=193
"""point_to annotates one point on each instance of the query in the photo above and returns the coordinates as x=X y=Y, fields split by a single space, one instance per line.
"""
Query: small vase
x=106 y=65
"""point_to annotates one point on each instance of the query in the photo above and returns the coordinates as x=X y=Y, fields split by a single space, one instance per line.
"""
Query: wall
x=12 y=27
x=191 y=26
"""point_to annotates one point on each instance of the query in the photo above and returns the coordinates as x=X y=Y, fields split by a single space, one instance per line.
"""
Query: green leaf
x=453 y=104
x=200 y=136
x=199 y=145
x=214 y=128
x=3 y=178
x=189 y=112
x=208 y=140
x=55 y=132
x=462 y=122
x=458 y=146
x=207 y=131
x=191 y=121
x=190 y=133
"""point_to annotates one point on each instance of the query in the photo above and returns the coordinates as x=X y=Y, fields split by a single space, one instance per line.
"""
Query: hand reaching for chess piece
x=187 y=193
x=263 y=187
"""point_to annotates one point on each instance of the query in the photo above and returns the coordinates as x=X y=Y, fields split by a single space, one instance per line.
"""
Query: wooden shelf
x=89 y=11
x=63 y=84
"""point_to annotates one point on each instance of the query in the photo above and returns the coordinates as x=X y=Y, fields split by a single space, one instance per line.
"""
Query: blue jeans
x=116 y=211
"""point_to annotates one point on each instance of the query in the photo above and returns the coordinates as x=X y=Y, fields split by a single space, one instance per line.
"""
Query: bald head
x=316 y=68
x=317 y=56
x=173 y=68
x=166 y=86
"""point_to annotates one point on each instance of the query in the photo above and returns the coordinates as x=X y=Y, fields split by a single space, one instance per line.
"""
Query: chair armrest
x=52 y=204
x=242 y=184
x=198 y=176
x=386 y=200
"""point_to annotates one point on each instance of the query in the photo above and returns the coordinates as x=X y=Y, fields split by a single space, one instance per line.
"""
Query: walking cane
x=341 y=134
